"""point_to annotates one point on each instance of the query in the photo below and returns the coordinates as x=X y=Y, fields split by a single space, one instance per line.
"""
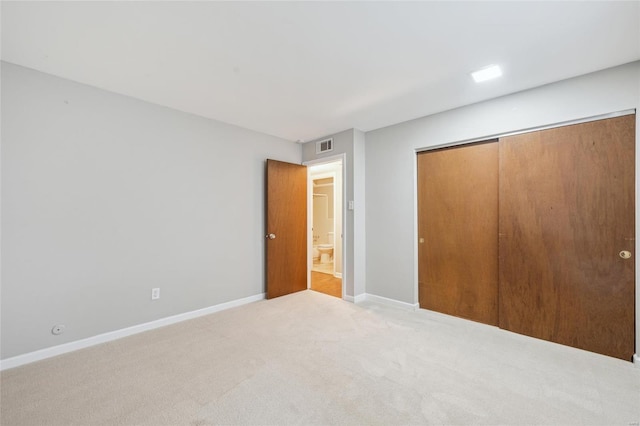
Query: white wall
x=105 y=197
x=391 y=157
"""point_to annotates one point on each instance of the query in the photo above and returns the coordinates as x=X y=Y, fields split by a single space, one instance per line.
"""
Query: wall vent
x=325 y=145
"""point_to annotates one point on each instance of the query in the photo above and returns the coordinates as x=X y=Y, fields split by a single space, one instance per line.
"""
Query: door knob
x=625 y=254
x=271 y=236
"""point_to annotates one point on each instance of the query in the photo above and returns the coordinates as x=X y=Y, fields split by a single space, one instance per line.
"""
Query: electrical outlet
x=155 y=293
x=58 y=329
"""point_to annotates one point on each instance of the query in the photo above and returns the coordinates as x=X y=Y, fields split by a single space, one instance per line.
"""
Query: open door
x=286 y=239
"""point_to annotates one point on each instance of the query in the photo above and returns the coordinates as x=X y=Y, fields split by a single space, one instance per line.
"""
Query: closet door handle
x=625 y=254
x=270 y=236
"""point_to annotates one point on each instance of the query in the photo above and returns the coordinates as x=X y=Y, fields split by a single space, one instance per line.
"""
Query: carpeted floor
x=309 y=358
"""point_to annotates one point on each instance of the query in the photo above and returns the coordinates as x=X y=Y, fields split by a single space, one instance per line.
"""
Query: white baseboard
x=360 y=298
x=41 y=354
x=338 y=275
x=636 y=360
x=386 y=301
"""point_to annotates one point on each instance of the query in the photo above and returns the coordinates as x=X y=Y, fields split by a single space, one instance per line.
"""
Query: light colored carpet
x=309 y=358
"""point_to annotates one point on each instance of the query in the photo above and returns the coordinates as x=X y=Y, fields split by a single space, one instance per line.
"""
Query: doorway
x=325 y=201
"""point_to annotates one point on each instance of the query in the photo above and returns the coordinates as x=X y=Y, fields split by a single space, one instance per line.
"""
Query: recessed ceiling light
x=486 y=73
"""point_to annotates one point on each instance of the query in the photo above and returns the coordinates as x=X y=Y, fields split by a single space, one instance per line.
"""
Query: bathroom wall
x=105 y=197
x=322 y=225
x=323 y=221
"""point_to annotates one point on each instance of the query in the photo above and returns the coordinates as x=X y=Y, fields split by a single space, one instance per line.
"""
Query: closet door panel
x=566 y=212
x=457 y=230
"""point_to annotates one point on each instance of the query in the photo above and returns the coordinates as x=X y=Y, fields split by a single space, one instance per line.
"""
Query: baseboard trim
x=636 y=360
x=41 y=354
x=360 y=298
x=388 y=302
x=338 y=275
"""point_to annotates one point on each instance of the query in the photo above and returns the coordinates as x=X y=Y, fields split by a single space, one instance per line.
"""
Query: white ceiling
x=304 y=70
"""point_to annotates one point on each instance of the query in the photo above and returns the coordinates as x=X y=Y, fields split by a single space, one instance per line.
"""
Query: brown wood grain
x=566 y=211
x=286 y=255
x=326 y=283
x=458 y=222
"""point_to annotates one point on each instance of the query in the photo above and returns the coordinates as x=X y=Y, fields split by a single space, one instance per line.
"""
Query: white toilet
x=326 y=250
x=326 y=253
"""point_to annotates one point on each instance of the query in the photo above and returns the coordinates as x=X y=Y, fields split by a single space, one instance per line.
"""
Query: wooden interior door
x=286 y=239
x=566 y=212
x=458 y=231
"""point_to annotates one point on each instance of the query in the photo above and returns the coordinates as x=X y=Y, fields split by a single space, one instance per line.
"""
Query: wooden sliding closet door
x=566 y=219
x=457 y=230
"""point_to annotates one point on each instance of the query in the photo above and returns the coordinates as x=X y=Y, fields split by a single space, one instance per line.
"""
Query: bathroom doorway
x=325 y=225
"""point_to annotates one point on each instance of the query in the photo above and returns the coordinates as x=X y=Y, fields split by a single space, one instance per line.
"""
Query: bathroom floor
x=325 y=268
x=326 y=283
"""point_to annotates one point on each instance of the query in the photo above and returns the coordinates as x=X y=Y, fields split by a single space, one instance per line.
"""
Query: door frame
x=342 y=158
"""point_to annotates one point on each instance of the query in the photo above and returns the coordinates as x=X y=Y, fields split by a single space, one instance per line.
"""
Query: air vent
x=324 y=146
